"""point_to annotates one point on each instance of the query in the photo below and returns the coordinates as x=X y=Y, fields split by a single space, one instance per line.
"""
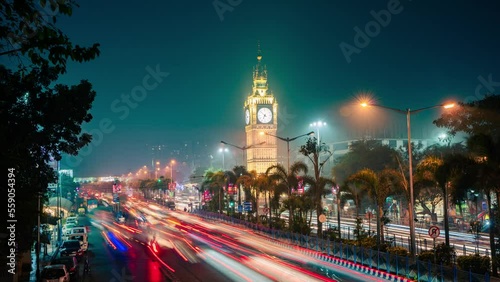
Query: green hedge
x=475 y=263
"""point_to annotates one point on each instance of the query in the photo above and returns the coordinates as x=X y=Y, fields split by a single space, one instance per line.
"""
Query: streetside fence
x=347 y=232
x=391 y=263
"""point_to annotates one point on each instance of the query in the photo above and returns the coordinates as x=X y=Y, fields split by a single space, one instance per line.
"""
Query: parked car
x=71 y=248
x=78 y=229
x=55 y=273
x=71 y=264
x=72 y=219
x=66 y=230
x=82 y=237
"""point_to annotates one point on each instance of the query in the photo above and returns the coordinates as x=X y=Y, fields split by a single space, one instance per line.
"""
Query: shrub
x=400 y=251
x=426 y=256
x=439 y=254
x=475 y=263
x=331 y=233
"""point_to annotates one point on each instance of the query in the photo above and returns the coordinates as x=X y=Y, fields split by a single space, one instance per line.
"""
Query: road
x=179 y=246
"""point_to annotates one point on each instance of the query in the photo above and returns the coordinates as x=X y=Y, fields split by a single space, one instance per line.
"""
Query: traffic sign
x=266 y=210
x=434 y=231
x=240 y=208
x=322 y=218
x=247 y=206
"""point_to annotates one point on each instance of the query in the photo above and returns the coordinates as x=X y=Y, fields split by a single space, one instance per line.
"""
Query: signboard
x=172 y=185
x=434 y=232
x=231 y=190
x=206 y=196
x=247 y=206
x=300 y=187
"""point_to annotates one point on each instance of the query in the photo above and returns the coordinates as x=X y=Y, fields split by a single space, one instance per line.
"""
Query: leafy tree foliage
x=425 y=186
x=319 y=186
x=43 y=117
x=480 y=120
x=286 y=181
x=371 y=154
x=378 y=185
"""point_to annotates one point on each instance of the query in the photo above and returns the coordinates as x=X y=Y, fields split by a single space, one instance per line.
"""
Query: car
x=71 y=264
x=82 y=237
x=55 y=273
x=78 y=229
x=66 y=230
x=72 y=248
x=72 y=219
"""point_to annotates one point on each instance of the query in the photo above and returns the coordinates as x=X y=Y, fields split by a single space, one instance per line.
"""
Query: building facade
x=261 y=117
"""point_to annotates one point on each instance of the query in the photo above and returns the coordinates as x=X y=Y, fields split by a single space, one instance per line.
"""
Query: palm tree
x=287 y=181
x=425 y=183
x=214 y=182
x=486 y=153
x=318 y=188
x=250 y=184
x=449 y=178
x=378 y=186
x=352 y=192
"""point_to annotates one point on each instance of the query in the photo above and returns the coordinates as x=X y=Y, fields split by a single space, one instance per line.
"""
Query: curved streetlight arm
x=288 y=139
x=307 y=134
x=407 y=111
x=253 y=145
x=225 y=143
x=280 y=138
x=244 y=147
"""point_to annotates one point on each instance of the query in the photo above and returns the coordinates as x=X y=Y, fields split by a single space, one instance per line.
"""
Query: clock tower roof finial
x=259 y=53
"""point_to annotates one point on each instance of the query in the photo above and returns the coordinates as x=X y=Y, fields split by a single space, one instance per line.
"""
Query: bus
x=91 y=204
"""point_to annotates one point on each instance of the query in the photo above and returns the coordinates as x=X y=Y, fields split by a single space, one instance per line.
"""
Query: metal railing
x=391 y=263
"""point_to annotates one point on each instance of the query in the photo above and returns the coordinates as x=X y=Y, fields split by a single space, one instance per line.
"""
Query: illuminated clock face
x=247 y=116
x=265 y=115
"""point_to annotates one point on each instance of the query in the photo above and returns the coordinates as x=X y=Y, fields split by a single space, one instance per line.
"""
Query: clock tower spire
x=261 y=116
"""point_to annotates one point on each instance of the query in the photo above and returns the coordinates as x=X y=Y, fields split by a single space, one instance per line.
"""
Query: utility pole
x=38 y=241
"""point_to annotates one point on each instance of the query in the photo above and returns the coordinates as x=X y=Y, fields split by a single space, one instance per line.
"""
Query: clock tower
x=261 y=117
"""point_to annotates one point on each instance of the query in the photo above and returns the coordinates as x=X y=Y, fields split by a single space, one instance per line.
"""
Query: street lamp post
x=223 y=150
x=38 y=239
x=411 y=211
x=156 y=169
x=243 y=149
x=172 y=163
x=288 y=140
x=318 y=125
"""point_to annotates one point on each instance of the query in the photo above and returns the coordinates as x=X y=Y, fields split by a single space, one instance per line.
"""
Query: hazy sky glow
x=189 y=67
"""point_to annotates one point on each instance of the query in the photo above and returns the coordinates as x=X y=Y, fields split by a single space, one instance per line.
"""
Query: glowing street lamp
x=223 y=150
x=408 y=113
x=172 y=163
x=318 y=125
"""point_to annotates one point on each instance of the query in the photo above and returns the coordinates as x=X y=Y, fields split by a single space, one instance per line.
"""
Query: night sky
x=429 y=52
